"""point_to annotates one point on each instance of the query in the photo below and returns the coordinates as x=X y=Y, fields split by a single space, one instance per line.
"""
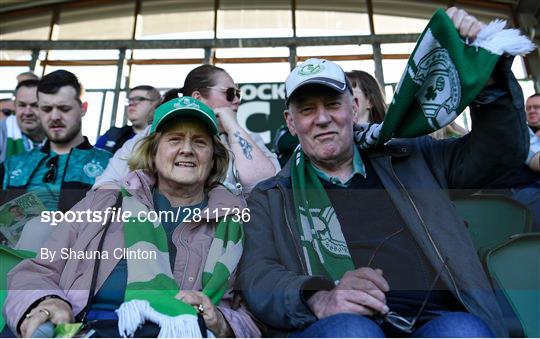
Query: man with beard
x=65 y=167
x=21 y=132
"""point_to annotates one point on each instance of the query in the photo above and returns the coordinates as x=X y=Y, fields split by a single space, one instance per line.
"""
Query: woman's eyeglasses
x=393 y=318
x=230 y=93
x=52 y=165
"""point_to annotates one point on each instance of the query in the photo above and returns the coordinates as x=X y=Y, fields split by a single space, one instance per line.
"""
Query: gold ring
x=46 y=311
x=200 y=308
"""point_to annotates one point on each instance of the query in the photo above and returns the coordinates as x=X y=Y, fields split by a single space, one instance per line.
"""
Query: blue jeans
x=6 y=333
x=347 y=325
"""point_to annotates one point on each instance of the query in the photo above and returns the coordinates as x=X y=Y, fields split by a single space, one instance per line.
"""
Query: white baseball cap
x=316 y=71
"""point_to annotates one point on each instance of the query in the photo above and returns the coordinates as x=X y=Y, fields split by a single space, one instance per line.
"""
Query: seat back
x=514 y=266
x=9 y=258
x=492 y=219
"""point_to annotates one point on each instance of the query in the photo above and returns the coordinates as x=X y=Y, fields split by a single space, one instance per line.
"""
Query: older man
x=350 y=243
x=21 y=132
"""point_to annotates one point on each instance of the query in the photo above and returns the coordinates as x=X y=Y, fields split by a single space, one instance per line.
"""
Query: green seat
x=492 y=219
x=8 y=259
x=514 y=267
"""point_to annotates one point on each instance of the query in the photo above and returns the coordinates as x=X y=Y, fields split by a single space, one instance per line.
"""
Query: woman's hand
x=227 y=119
x=212 y=316
x=54 y=310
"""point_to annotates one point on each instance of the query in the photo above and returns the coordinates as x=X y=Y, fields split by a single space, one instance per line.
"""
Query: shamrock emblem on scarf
x=432 y=91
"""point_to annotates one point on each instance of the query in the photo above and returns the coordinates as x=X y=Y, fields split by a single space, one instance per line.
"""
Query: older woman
x=139 y=269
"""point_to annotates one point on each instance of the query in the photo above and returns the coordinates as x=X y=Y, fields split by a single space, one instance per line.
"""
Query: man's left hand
x=467 y=25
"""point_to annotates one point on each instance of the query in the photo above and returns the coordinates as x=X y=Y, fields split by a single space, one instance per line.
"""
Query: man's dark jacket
x=417 y=174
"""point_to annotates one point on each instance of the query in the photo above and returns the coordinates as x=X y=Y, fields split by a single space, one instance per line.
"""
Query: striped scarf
x=151 y=287
x=323 y=243
x=443 y=76
x=15 y=139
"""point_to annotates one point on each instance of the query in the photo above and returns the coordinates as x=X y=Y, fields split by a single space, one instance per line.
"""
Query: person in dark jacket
x=141 y=102
x=412 y=269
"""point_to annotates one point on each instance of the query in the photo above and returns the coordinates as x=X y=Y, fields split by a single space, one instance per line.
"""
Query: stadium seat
x=514 y=268
x=8 y=259
x=492 y=219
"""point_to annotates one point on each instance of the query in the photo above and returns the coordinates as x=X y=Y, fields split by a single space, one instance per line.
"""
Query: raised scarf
x=443 y=76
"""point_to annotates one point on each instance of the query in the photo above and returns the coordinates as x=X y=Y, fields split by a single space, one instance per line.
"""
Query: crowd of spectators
x=304 y=269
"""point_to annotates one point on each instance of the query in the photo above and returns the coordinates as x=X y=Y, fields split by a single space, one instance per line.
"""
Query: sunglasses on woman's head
x=230 y=92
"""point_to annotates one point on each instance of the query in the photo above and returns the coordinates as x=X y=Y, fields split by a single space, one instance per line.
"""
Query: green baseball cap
x=181 y=107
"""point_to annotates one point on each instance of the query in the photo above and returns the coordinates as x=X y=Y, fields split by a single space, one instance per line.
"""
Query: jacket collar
x=396 y=148
x=46 y=148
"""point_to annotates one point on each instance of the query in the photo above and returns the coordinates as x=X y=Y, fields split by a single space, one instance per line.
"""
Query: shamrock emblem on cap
x=310 y=69
x=186 y=102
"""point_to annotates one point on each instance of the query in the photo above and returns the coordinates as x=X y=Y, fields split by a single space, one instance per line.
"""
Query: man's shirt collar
x=358 y=169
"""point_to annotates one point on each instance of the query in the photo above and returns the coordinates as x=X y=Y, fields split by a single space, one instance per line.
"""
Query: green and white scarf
x=323 y=243
x=443 y=76
x=15 y=141
x=151 y=287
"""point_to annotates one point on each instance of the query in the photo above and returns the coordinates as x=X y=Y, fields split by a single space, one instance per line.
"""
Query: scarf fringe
x=133 y=314
x=498 y=40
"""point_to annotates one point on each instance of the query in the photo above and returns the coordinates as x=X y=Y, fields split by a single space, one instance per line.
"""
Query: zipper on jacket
x=304 y=270
x=428 y=234
x=64 y=176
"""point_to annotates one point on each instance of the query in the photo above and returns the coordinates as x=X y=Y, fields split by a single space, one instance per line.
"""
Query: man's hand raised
x=360 y=291
x=467 y=25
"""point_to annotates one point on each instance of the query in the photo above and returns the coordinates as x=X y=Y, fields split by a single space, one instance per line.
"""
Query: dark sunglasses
x=7 y=111
x=230 y=92
x=52 y=165
x=393 y=318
